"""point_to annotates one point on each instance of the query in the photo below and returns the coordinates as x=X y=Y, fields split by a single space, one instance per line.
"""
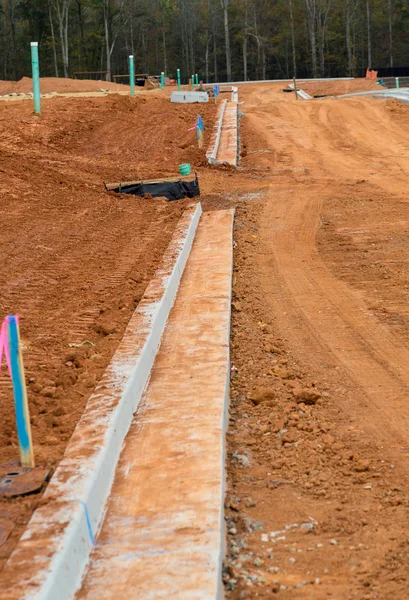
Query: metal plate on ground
x=6 y=527
x=17 y=481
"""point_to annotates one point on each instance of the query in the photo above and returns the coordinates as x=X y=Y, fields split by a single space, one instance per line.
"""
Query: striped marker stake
x=200 y=130
x=20 y=393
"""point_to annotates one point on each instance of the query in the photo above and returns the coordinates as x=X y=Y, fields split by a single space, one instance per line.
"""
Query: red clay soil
x=337 y=88
x=60 y=85
x=317 y=504
x=318 y=494
x=75 y=259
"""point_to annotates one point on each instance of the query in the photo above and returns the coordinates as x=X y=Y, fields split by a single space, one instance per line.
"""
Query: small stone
x=320 y=545
x=258 y=562
x=334 y=542
x=300 y=585
x=273 y=570
x=292 y=560
x=307 y=527
x=264 y=537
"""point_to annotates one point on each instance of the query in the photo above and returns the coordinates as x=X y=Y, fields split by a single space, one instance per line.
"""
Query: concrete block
x=189 y=97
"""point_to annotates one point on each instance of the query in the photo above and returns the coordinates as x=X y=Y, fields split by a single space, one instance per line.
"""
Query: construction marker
x=178 y=78
x=200 y=130
x=162 y=80
x=197 y=79
x=35 y=67
x=20 y=394
x=193 y=82
x=132 y=74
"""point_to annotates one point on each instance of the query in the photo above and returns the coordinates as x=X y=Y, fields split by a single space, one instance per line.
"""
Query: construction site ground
x=317 y=502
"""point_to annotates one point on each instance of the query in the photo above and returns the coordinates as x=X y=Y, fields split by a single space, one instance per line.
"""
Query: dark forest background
x=219 y=39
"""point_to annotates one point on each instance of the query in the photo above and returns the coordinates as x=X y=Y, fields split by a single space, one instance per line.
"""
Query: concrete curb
x=52 y=554
x=225 y=426
x=211 y=153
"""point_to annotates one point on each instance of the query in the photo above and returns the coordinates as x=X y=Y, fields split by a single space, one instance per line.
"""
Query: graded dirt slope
x=336 y=88
x=318 y=496
x=75 y=259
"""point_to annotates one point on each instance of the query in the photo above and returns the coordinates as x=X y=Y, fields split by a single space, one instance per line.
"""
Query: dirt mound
x=336 y=88
x=59 y=85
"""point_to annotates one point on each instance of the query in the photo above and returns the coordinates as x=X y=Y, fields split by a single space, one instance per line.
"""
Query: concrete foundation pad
x=163 y=534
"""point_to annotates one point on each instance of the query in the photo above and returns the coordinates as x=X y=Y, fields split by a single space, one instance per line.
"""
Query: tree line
x=222 y=40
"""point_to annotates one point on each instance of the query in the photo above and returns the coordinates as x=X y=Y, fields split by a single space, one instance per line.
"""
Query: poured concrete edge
x=211 y=153
x=281 y=80
x=50 y=558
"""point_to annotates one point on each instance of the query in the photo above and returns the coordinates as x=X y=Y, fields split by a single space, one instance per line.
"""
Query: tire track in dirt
x=374 y=357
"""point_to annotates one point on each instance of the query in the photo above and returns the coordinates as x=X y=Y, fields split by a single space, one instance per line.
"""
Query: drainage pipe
x=132 y=74
x=35 y=66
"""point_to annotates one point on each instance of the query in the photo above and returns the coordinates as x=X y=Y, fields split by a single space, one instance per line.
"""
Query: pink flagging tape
x=4 y=345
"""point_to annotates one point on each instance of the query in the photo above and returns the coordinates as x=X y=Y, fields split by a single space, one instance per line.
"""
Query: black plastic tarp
x=172 y=190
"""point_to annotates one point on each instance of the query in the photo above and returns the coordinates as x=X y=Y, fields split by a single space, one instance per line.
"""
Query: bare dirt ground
x=318 y=496
x=75 y=259
x=317 y=504
x=337 y=88
x=60 y=85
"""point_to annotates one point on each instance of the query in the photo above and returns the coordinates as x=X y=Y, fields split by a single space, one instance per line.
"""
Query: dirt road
x=318 y=439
